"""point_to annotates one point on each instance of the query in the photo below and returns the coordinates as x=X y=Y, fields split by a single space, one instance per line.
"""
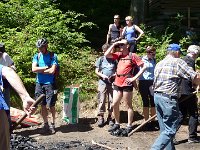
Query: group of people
x=45 y=64
x=166 y=88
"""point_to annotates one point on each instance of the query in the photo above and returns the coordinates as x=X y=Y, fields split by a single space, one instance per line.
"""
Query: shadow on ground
x=124 y=116
x=84 y=125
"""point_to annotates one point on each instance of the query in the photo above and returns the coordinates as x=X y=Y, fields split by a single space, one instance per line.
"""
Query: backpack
x=57 y=71
x=133 y=71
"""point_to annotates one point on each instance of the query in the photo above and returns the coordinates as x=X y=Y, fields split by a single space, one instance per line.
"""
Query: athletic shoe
x=110 y=121
x=45 y=128
x=129 y=129
x=114 y=128
x=101 y=122
x=52 y=128
x=175 y=141
x=193 y=140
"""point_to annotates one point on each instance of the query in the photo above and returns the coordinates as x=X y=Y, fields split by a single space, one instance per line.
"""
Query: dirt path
x=86 y=131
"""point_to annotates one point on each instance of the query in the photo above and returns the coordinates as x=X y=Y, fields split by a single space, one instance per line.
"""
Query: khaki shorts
x=4 y=131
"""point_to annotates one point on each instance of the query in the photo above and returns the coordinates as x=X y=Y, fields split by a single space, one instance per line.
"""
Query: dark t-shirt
x=115 y=32
x=186 y=85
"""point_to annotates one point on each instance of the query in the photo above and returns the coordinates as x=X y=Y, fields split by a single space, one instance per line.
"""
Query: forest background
x=76 y=30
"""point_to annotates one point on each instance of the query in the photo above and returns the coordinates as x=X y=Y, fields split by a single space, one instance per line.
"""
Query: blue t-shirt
x=149 y=72
x=107 y=66
x=43 y=60
x=130 y=33
x=3 y=105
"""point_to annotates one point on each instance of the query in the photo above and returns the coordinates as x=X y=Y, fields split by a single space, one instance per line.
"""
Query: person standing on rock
x=167 y=89
x=130 y=33
x=114 y=31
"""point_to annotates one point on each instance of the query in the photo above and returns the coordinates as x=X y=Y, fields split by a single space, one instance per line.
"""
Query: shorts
x=124 y=88
x=49 y=91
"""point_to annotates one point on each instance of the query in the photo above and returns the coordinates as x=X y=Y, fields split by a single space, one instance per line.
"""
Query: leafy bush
x=64 y=31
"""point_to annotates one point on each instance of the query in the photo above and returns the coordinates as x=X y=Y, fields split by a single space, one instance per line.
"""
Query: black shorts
x=48 y=90
x=124 y=88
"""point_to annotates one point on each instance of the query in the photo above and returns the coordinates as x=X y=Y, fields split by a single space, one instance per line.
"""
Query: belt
x=123 y=75
x=166 y=95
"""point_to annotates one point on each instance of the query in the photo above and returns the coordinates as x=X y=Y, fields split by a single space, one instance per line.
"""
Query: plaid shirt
x=169 y=73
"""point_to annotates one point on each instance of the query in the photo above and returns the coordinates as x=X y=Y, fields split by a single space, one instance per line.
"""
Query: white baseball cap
x=195 y=49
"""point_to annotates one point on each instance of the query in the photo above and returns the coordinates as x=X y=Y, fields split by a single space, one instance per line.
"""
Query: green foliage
x=64 y=31
x=95 y=11
x=151 y=37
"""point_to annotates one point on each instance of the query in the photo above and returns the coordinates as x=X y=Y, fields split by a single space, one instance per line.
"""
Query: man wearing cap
x=168 y=75
x=44 y=64
x=189 y=106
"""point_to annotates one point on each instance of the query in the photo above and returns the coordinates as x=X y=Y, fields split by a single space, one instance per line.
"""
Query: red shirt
x=125 y=67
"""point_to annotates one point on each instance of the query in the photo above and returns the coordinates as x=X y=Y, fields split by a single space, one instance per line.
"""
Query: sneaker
x=52 y=128
x=175 y=141
x=129 y=129
x=194 y=140
x=110 y=121
x=155 y=125
x=148 y=127
x=114 y=128
x=45 y=128
x=101 y=122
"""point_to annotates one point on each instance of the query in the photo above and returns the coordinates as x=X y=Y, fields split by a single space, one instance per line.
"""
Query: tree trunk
x=137 y=9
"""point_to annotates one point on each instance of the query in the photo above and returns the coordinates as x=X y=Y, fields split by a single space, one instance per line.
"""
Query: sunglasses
x=150 y=52
x=121 y=46
x=116 y=18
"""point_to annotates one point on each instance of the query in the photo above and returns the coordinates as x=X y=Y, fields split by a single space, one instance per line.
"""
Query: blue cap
x=174 y=47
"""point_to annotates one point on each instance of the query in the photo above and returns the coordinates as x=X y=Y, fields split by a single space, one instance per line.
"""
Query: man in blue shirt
x=17 y=84
x=45 y=64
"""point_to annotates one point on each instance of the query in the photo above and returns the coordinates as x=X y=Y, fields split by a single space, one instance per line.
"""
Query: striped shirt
x=169 y=73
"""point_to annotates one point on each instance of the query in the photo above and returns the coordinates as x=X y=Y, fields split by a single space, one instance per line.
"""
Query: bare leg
x=128 y=100
x=146 y=113
x=117 y=96
x=44 y=113
x=153 y=111
x=53 y=112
